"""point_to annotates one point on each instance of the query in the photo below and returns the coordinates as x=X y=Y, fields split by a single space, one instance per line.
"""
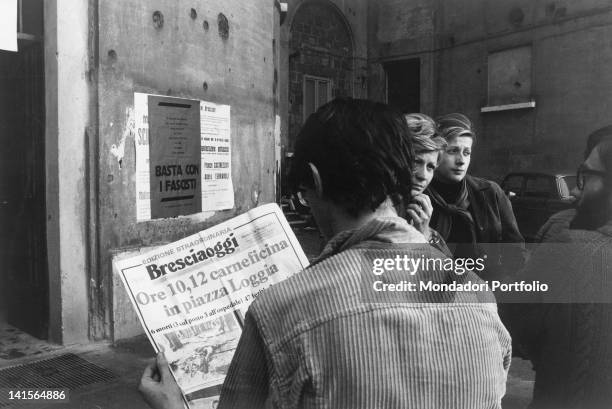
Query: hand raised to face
x=419 y=212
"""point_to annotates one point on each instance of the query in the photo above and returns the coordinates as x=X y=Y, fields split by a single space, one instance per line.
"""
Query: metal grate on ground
x=66 y=371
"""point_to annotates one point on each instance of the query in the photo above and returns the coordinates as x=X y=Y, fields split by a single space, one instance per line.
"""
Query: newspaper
x=191 y=295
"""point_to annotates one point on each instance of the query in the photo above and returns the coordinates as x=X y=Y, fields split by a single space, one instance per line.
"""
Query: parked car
x=536 y=196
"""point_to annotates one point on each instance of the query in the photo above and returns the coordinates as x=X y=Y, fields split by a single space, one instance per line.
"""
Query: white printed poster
x=8 y=25
x=217 y=187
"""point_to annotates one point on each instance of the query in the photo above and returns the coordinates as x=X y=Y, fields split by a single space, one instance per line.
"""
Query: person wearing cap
x=470 y=211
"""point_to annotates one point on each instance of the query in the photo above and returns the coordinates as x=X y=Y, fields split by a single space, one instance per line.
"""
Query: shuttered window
x=317 y=92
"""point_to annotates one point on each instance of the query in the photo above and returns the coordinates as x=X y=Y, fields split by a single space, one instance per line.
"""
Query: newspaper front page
x=191 y=295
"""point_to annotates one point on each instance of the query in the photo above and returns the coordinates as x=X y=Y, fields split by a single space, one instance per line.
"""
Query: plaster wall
x=185 y=57
x=571 y=85
x=398 y=30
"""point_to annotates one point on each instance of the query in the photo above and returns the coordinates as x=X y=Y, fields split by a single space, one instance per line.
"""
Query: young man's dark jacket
x=494 y=223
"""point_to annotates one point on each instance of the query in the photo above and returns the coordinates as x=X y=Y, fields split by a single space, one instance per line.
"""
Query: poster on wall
x=183 y=156
x=143 y=186
x=174 y=156
x=8 y=25
x=217 y=187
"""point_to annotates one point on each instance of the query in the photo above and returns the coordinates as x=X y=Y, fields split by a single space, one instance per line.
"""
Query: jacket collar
x=379 y=229
x=477 y=183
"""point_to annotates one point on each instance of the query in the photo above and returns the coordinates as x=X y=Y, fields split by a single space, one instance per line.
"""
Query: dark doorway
x=404 y=84
x=24 y=300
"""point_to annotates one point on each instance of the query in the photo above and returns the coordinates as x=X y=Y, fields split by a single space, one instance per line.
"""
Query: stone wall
x=321 y=46
x=568 y=77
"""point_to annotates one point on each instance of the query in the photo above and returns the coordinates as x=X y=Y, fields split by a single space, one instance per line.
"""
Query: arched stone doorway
x=320 y=61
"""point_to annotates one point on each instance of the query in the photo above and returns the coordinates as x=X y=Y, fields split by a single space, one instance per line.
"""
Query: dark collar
x=477 y=183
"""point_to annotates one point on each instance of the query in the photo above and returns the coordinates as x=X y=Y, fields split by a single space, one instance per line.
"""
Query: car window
x=566 y=184
x=539 y=186
x=513 y=183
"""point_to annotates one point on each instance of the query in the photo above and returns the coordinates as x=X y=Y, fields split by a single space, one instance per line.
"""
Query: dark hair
x=597 y=136
x=605 y=155
x=453 y=125
x=361 y=150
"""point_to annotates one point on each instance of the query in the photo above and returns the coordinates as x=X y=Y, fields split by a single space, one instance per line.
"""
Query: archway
x=320 y=61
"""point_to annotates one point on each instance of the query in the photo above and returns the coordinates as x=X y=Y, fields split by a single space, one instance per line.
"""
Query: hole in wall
x=516 y=16
x=560 y=12
x=158 y=19
x=223 y=26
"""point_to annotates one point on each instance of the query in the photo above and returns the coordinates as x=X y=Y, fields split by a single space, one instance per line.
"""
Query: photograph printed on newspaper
x=191 y=295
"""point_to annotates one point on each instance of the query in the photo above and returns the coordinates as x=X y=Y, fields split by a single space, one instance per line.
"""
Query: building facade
x=531 y=74
x=90 y=57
